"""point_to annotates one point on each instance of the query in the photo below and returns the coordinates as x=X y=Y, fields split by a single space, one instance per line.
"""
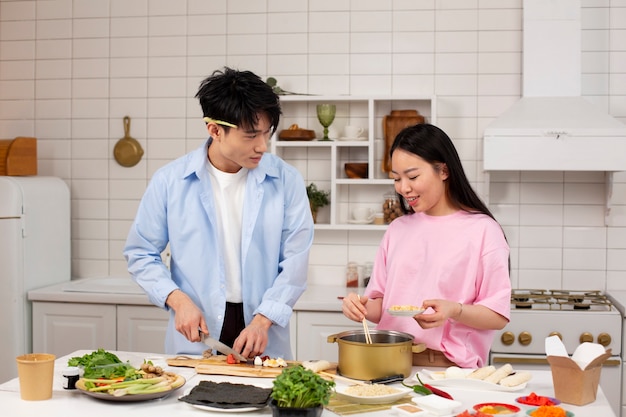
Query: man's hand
x=252 y=340
x=188 y=317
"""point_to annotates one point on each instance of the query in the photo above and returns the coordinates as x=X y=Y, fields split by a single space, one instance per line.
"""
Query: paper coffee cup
x=36 y=373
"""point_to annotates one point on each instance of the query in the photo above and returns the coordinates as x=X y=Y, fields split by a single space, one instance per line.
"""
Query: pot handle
x=418 y=348
x=332 y=338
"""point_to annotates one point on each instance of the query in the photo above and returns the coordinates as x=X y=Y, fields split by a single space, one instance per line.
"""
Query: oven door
x=610 y=378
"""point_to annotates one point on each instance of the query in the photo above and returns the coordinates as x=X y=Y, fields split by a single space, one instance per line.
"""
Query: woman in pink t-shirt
x=447 y=254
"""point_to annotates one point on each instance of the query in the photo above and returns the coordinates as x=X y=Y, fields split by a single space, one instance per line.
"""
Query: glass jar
x=71 y=375
x=391 y=207
x=367 y=272
x=352 y=275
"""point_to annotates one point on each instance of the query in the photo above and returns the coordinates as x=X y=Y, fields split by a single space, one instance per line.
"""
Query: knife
x=221 y=347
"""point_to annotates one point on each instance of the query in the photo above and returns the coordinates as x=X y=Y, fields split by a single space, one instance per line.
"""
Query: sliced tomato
x=231 y=359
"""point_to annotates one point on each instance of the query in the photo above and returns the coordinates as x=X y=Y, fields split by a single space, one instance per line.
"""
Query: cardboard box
x=574 y=385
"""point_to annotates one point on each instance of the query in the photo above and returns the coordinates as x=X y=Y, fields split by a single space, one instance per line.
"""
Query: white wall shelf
x=322 y=162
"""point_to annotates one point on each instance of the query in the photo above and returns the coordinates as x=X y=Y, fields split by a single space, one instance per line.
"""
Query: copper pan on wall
x=127 y=151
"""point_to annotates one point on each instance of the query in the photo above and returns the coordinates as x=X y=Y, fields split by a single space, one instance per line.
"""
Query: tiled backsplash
x=70 y=70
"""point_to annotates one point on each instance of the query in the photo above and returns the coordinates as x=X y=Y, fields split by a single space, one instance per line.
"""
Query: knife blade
x=221 y=347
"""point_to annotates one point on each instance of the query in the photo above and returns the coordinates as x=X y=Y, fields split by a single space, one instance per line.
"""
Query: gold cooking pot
x=390 y=353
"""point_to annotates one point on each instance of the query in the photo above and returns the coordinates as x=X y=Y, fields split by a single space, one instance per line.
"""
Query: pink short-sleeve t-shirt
x=461 y=257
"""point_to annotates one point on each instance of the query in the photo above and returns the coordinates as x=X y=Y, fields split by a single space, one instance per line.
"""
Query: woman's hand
x=444 y=310
x=353 y=306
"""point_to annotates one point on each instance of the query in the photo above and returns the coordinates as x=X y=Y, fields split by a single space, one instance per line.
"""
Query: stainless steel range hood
x=553 y=128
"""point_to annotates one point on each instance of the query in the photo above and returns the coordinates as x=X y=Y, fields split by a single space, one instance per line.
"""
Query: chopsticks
x=366 y=330
x=342 y=378
x=368 y=337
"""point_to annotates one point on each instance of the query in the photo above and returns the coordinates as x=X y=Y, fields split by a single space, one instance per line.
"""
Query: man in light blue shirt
x=238 y=223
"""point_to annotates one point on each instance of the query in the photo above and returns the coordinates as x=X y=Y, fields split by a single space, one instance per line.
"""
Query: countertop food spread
x=63 y=399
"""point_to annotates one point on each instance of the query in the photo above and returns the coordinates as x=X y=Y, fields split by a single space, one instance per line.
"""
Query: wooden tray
x=296 y=134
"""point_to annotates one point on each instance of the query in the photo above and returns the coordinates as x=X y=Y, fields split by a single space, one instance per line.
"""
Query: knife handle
x=387 y=379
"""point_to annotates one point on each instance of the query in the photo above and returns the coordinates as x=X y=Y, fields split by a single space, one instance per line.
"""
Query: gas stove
x=576 y=316
x=565 y=300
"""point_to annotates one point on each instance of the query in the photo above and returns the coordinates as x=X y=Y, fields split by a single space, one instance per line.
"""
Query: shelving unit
x=322 y=162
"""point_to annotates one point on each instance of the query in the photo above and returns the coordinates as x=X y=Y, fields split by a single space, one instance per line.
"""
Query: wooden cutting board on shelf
x=392 y=125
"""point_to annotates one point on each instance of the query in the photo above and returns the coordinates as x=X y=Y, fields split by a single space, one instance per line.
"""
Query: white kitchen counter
x=123 y=290
x=65 y=403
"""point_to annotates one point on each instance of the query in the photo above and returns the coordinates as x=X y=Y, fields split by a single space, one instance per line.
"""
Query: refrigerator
x=34 y=252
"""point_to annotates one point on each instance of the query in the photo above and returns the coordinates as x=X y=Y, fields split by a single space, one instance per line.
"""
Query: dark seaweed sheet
x=227 y=395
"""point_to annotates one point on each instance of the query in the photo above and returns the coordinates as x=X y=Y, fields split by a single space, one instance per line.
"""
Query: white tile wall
x=70 y=70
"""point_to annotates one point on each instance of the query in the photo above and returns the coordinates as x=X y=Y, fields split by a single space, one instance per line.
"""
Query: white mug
x=352 y=132
x=362 y=214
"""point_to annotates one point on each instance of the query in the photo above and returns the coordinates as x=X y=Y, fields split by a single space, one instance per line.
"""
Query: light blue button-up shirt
x=277 y=233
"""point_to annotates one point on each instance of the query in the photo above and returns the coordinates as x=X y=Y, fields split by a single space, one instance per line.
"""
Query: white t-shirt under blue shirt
x=228 y=191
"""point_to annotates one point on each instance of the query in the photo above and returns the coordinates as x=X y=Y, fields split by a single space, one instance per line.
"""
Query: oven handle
x=542 y=361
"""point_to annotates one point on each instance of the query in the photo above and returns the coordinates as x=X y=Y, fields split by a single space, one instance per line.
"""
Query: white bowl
x=377 y=399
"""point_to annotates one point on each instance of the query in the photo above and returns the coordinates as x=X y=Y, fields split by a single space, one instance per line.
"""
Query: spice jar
x=367 y=272
x=71 y=375
x=391 y=207
x=352 y=275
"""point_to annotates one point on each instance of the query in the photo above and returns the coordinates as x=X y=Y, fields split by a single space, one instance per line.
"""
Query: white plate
x=379 y=399
x=437 y=405
x=352 y=221
x=405 y=313
x=80 y=386
x=435 y=379
x=226 y=410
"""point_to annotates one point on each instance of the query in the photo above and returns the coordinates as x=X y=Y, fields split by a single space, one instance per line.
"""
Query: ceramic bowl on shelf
x=356 y=169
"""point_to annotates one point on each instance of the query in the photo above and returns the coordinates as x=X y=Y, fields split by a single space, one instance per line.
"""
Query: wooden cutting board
x=216 y=365
x=190 y=362
x=239 y=370
x=392 y=125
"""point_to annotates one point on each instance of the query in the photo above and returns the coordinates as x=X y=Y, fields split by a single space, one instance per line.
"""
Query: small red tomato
x=231 y=359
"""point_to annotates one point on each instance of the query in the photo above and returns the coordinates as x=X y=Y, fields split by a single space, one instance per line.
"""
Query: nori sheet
x=227 y=395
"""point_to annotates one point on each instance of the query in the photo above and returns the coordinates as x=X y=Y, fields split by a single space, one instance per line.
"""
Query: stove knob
x=556 y=334
x=604 y=339
x=525 y=338
x=507 y=338
x=586 y=337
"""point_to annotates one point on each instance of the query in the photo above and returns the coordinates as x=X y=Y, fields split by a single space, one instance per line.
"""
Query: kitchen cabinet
x=141 y=328
x=60 y=328
x=313 y=329
x=104 y=313
x=322 y=162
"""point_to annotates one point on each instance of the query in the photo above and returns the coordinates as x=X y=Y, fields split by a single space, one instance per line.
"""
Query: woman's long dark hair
x=434 y=146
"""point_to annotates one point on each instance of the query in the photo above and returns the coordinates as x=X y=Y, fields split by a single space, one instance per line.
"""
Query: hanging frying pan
x=127 y=151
